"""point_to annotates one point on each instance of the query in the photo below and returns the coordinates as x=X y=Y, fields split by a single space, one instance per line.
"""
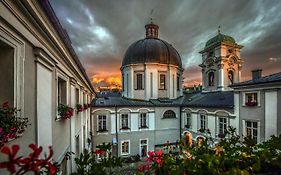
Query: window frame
x=162 y=87
x=128 y=151
x=205 y=121
x=245 y=100
x=139 y=85
x=257 y=129
x=187 y=124
x=146 y=126
x=169 y=114
x=140 y=147
x=225 y=125
x=18 y=45
x=128 y=121
x=104 y=119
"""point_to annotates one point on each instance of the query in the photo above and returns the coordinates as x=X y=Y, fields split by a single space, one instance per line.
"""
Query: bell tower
x=221 y=63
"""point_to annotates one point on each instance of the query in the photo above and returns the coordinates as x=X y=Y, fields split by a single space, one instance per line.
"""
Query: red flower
x=99 y=152
x=12 y=159
x=141 y=168
x=6 y=105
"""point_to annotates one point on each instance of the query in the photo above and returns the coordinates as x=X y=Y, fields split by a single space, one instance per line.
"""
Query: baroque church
x=154 y=110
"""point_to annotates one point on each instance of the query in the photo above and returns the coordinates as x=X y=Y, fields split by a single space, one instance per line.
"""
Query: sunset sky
x=102 y=30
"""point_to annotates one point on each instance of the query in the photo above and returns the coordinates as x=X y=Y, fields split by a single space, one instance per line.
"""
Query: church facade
x=154 y=110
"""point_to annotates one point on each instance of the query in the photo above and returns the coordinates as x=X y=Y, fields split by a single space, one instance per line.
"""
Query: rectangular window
x=203 y=121
x=62 y=91
x=251 y=99
x=7 y=73
x=178 y=83
x=125 y=121
x=143 y=120
x=139 y=82
x=143 y=147
x=252 y=130
x=222 y=125
x=125 y=147
x=188 y=120
x=77 y=95
x=162 y=82
x=102 y=123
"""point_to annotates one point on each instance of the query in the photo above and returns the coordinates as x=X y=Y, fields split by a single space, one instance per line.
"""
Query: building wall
x=38 y=59
x=252 y=113
x=278 y=111
x=151 y=89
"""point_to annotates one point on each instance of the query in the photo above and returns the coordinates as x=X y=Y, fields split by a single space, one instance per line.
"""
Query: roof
x=221 y=99
x=198 y=99
x=273 y=78
x=46 y=6
x=219 y=38
x=152 y=50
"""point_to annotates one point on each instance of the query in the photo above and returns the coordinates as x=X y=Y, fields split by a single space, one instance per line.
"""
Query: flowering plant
x=251 y=103
x=79 y=107
x=65 y=111
x=11 y=126
x=32 y=163
x=230 y=156
x=86 y=106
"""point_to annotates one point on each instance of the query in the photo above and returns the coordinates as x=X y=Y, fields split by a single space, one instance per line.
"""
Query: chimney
x=256 y=74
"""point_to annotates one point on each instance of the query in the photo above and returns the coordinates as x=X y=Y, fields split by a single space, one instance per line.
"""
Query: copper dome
x=152 y=50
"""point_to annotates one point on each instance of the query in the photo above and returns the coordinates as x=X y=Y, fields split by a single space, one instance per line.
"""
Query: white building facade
x=39 y=71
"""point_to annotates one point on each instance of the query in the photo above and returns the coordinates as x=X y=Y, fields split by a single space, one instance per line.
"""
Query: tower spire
x=151 y=28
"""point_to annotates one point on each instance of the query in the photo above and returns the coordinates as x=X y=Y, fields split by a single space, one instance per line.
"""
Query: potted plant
x=79 y=108
x=65 y=111
x=11 y=126
x=85 y=106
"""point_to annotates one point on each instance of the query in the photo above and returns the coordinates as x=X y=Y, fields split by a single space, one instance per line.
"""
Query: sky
x=102 y=30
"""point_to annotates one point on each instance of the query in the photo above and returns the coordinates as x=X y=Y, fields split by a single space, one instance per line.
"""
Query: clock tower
x=221 y=63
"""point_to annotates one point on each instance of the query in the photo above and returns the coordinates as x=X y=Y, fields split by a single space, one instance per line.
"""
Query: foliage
x=230 y=156
x=65 y=111
x=79 y=108
x=11 y=126
x=33 y=163
x=100 y=163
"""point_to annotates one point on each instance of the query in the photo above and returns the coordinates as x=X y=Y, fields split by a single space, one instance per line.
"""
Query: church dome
x=219 y=39
x=151 y=50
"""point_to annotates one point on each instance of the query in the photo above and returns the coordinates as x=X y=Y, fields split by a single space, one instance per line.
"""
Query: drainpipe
x=180 y=122
x=116 y=131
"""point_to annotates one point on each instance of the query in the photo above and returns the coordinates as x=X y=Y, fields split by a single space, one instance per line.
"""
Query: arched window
x=169 y=114
x=230 y=77
x=211 y=78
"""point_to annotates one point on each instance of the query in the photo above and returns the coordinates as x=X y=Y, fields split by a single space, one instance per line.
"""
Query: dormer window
x=211 y=78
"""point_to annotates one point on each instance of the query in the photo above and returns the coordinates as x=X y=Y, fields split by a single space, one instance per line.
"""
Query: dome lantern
x=151 y=30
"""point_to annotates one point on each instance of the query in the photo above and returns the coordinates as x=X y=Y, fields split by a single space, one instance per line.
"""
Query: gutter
x=180 y=122
x=116 y=130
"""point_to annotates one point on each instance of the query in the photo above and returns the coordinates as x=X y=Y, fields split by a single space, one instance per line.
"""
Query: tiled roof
x=199 y=99
x=224 y=99
x=263 y=80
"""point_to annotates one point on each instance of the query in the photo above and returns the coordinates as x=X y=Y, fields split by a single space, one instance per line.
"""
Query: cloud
x=101 y=31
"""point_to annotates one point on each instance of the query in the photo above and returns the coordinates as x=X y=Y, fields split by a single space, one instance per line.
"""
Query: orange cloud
x=107 y=81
